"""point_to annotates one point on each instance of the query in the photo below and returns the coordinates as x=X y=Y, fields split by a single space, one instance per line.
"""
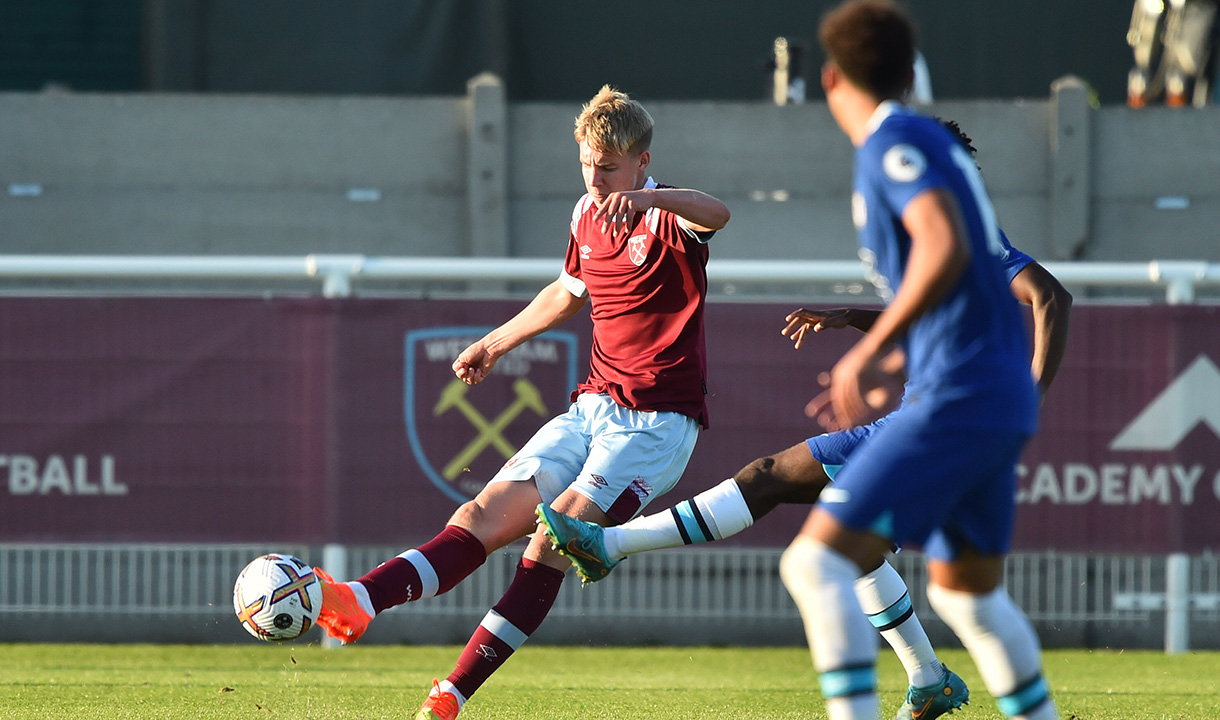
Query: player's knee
x=762 y=467
x=780 y=479
x=809 y=564
x=493 y=528
x=759 y=478
x=797 y=567
x=468 y=515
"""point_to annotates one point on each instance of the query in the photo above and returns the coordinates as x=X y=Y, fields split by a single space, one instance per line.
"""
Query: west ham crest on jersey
x=637 y=249
x=462 y=434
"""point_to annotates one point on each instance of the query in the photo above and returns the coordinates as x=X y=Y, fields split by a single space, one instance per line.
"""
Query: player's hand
x=865 y=385
x=474 y=364
x=617 y=213
x=802 y=321
x=820 y=409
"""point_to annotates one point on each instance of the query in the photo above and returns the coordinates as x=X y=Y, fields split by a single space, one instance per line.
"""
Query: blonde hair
x=614 y=123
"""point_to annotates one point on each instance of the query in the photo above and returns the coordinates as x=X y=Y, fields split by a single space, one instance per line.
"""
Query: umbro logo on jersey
x=1192 y=398
x=598 y=481
x=637 y=249
x=584 y=252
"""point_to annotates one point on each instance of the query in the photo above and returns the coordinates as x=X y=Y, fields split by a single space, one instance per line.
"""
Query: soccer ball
x=277 y=597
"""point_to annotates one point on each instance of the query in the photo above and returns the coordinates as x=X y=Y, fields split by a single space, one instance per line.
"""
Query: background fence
x=693 y=596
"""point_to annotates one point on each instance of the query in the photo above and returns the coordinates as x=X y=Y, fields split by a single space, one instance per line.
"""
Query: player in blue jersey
x=799 y=474
x=941 y=471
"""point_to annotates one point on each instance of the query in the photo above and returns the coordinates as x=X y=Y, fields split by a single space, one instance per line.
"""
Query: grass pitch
x=100 y=682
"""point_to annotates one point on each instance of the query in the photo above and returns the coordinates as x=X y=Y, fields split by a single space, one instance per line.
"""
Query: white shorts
x=620 y=459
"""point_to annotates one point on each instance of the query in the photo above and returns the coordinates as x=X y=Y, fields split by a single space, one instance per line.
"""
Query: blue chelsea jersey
x=967 y=357
x=1012 y=260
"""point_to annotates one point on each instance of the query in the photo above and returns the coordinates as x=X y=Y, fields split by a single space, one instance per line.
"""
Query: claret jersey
x=969 y=354
x=646 y=289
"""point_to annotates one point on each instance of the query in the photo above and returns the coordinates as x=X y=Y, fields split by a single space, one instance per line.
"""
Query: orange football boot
x=341 y=615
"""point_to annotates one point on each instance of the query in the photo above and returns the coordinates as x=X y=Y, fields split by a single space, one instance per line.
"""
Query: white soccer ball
x=277 y=597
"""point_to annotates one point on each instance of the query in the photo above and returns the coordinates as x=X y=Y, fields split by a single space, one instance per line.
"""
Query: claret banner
x=320 y=420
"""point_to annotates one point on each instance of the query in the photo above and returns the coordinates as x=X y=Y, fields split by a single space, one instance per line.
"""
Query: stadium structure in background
x=985 y=49
x=1174 y=43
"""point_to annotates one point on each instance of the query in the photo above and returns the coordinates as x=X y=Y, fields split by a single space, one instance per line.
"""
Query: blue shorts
x=833 y=449
x=920 y=483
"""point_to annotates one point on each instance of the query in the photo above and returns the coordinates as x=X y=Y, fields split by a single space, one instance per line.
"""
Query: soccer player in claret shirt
x=798 y=475
x=941 y=472
x=637 y=252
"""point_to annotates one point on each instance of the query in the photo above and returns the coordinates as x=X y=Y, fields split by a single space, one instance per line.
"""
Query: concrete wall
x=188 y=174
x=176 y=174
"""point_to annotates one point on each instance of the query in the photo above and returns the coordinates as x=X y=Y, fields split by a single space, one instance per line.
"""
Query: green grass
x=99 y=682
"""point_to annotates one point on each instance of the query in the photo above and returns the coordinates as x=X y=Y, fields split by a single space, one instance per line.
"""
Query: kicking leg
x=500 y=514
x=790 y=476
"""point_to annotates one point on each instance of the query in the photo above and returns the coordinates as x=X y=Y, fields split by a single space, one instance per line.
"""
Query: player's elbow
x=1057 y=301
x=719 y=216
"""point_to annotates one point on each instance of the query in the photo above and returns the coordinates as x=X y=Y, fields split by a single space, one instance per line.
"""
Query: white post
x=336 y=272
x=1179 y=277
x=334 y=561
x=1177 y=603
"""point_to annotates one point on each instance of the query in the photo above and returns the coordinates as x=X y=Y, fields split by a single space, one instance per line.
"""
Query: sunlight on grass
x=100 y=682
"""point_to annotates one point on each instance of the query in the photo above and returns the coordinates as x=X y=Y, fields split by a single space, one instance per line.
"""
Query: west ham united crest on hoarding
x=462 y=434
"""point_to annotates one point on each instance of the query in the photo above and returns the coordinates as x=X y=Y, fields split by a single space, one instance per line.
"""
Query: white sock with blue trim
x=843 y=642
x=884 y=598
x=714 y=514
x=1003 y=646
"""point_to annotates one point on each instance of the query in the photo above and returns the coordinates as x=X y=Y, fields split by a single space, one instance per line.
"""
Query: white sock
x=446 y=686
x=362 y=598
x=843 y=642
x=1003 y=646
x=713 y=514
x=884 y=598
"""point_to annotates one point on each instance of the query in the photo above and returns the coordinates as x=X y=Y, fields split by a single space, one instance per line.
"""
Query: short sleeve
x=1013 y=260
x=902 y=169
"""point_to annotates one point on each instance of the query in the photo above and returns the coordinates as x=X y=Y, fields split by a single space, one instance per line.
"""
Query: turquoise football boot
x=581 y=542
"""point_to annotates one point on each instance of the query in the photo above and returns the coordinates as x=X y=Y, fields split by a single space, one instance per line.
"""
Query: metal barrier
x=337 y=273
x=121 y=579
x=680 y=596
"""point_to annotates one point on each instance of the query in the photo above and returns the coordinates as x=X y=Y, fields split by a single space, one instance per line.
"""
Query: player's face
x=832 y=82
x=607 y=173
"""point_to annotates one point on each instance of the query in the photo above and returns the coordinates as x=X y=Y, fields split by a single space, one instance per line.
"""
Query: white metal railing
x=337 y=272
x=680 y=588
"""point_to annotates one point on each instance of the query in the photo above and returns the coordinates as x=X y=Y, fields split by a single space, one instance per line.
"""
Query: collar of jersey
x=883 y=111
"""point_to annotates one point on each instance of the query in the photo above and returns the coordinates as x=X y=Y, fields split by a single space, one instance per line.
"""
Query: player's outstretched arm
x=1052 y=305
x=802 y=321
x=550 y=307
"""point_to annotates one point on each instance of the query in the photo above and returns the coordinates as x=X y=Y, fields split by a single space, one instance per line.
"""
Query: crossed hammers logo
x=490 y=432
